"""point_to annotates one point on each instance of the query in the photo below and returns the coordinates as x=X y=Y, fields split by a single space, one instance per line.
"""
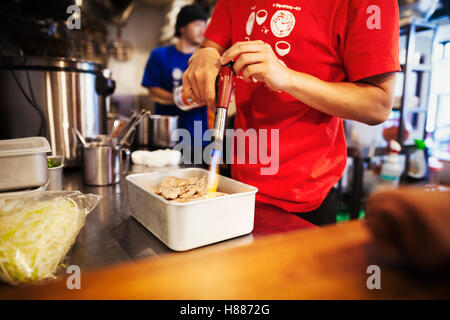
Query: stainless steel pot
x=155 y=131
x=62 y=93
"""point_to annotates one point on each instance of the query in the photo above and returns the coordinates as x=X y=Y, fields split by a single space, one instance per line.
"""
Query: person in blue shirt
x=166 y=66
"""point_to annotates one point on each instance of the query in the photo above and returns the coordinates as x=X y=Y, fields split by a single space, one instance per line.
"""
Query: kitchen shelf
x=418 y=68
x=422 y=68
x=418 y=110
x=422 y=72
x=411 y=70
x=419 y=23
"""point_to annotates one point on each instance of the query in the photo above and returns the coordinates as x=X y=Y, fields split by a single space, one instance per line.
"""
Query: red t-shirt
x=333 y=40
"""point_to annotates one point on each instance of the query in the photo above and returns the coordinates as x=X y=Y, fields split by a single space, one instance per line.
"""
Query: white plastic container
x=187 y=225
x=23 y=163
x=391 y=169
x=56 y=174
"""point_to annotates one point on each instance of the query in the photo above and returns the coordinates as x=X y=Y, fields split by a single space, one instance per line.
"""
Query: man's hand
x=199 y=80
x=160 y=95
x=255 y=60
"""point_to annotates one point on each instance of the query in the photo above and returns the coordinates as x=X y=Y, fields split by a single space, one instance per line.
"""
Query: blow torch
x=225 y=86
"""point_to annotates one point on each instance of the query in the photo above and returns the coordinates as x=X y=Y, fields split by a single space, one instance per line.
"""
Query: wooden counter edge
x=324 y=263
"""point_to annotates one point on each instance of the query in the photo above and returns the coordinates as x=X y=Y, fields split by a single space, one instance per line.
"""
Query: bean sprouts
x=35 y=236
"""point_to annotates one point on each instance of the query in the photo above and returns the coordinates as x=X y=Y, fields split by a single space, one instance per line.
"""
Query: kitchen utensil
x=70 y=93
x=104 y=163
x=224 y=90
x=128 y=137
x=225 y=86
x=142 y=136
x=187 y=225
x=128 y=124
x=156 y=131
x=23 y=163
x=117 y=127
x=55 y=175
x=161 y=129
x=80 y=136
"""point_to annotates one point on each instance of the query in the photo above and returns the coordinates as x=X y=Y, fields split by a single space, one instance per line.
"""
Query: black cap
x=188 y=14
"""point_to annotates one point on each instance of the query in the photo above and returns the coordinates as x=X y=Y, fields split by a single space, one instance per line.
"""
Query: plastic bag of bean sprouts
x=37 y=231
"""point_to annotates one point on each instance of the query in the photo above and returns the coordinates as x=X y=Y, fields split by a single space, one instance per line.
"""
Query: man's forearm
x=368 y=102
x=211 y=44
x=161 y=96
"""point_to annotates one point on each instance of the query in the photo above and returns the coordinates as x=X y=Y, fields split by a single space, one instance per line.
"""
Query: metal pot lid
x=49 y=63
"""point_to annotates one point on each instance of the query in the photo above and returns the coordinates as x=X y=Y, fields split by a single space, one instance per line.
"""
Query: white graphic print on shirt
x=177 y=73
x=282 y=48
x=250 y=23
x=281 y=24
x=261 y=16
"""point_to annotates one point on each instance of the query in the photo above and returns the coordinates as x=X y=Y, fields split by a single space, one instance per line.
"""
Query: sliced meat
x=172 y=188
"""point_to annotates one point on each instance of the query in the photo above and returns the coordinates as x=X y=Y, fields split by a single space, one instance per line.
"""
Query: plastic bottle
x=418 y=163
x=181 y=101
x=435 y=167
x=391 y=169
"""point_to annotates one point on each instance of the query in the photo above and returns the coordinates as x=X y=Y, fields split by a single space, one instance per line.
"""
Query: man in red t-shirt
x=303 y=66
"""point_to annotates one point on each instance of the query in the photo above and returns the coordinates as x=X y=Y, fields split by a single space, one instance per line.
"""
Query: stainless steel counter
x=110 y=235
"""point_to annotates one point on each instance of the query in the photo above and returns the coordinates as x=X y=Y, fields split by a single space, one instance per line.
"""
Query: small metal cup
x=104 y=163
